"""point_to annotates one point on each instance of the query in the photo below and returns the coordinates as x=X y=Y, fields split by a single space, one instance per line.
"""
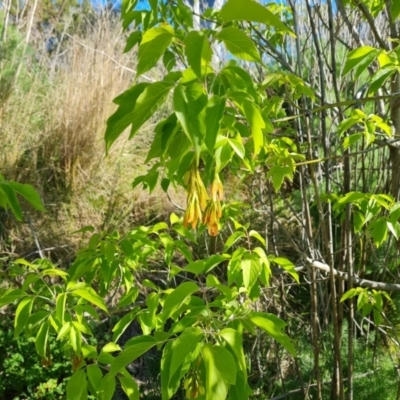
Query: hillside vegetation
x=199 y=201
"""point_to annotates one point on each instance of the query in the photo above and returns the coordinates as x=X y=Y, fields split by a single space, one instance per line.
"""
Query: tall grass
x=52 y=135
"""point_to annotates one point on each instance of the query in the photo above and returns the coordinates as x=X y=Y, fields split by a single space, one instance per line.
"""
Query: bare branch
x=387 y=287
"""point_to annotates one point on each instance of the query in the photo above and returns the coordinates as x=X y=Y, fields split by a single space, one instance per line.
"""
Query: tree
x=264 y=116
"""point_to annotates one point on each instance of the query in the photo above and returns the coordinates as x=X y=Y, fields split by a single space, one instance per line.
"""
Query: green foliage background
x=277 y=169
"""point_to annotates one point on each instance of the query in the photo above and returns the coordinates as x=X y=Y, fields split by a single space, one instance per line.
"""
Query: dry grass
x=53 y=136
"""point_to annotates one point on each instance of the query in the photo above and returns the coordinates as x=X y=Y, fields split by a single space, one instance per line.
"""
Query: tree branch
x=387 y=287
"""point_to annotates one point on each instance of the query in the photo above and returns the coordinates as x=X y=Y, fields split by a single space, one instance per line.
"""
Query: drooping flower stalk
x=201 y=208
x=197 y=198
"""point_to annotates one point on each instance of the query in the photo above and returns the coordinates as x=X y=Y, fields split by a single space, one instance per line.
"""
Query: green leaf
x=240 y=80
x=395 y=10
x=357 y=56
x=215 y=260
x=64 y=330
x=233 y=239
x=12 y=200
x=198 y=52
x=123 y=324
x=220 y=371
x=95 y=376
x=214 y=113
x=256 y=235
x=89 y=351
x=377 y=316
x=122 y=118
x=394 y=229
x=22 y=313
x=29 y=194
x=241 y=390
x=237 y=147
x=137 y=346
x=107 y=386
x=75 y=339
x=127 y=6
x=190 y=108
x=137 y=105
x=381 y=76
x=82 y=327
x=212 y=281
x=239 y=44
x=128 y=298
x=42 y=338
x=352 y=197
x=287 y=266
x=195 y=267
x=10 y=296
x=351 y=140
x=153 y=45
x=277 y=173
x=257 y=124
x=130 y=387
x=273 y=326
x=169 y=386
x=111 y=347
x=365 y=63
x=54 y=272
x=182 y=347
x=347 y=124
x=147 y=103
x=235 y=342
x=91 y=311
x=169 y=60
x=251 y=269
x=378 y=230
x=248 y=10
x=105 y=358
x=175 y=299
x=90 y=295
x=132 y=40
x=36 y=319
x=350 y=294
x=77 y=386
x=60 y=307
x=358 y=221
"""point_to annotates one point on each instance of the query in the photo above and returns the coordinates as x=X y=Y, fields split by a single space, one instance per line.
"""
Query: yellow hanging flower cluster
x=212 y=214
x=197 y=198
x=193 y=385
x=217 y=190
x=200 y=206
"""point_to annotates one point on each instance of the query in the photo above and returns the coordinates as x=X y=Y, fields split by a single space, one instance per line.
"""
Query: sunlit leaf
x=107 y=386
x=363 y=54
x=21 y=314
x=12 y=200
x=239 y=44
x=137 y=346
x=183 y=346
x=29 y=194
x=153 y=45
x=248 y=10
x=129 y=386
x=220 y=371
x=198 y=52
x=273 y=326
x=175 y=299
x=77 y=386
x=235 y=342
x=90 y=295
x=190 y=108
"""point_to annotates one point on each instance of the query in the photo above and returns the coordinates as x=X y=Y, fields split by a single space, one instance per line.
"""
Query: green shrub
x=22 y=375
